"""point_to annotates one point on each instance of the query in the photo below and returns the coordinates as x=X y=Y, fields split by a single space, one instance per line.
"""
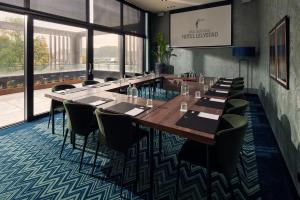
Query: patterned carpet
x=30 y=168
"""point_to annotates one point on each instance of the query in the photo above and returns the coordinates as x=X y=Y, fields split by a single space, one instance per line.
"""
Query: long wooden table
x=164 y=114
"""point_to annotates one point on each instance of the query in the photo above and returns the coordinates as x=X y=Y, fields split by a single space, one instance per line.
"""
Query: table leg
x=52 y=115
x=208 y=172
x=151 y=164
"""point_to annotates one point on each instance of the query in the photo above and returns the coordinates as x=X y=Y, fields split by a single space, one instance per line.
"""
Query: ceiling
x=167 y=5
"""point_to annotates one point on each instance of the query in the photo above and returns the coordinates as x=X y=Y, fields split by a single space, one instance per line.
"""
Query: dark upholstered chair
x=82 y=121
x=107 y=79
x=58 y=107
x=236 y=94
x=237 y=87
x=89 y=82
x=117 y=132
x=225 y=152
x=236 y=106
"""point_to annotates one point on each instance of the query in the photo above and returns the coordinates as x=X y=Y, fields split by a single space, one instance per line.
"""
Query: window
x=11 y=68
x=14 y=2
x=59 y=57
x=134 y=50
x=106 y=54
x=106 y=13
x=134 y=20
x=75 y=9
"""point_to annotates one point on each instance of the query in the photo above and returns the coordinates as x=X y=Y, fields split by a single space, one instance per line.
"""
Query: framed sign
x=279 y=52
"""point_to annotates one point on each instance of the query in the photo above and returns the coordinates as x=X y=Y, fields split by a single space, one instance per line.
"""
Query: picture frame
x=279 y=52
x=272 y=56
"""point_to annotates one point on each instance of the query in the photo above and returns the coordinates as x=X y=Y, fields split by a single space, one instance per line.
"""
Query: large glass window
x=134 y=20
x=106 y=55
x=75 y=9
x=14 y=2
x=106 y=13
x=134 y=54
x=11 y=68
x=59 y=57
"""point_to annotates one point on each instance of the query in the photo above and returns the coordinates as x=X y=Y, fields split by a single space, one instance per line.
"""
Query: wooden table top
x=162 y=116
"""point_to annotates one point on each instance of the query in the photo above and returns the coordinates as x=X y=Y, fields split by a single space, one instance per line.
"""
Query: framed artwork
x=279 y=52
x=272 y=57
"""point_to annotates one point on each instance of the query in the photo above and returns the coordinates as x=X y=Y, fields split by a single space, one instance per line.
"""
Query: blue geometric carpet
x=30 y=168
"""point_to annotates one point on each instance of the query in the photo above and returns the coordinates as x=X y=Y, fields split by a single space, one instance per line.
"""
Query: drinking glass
x=183 y=107
x=205 y=88
x=201 y=80
x=211 y=83
x=149 y=103
x=114 y=96
x=216 y=79
x=197 y=94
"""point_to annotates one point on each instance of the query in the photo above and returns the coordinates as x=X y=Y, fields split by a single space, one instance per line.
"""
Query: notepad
x=208 y=116
x=217 y=100
x=222 y=91
x=134 y=112
x=222 y=85
x=96 y=103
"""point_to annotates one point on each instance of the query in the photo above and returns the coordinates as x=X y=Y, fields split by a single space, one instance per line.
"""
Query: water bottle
x=129 y=91
x=134 y=92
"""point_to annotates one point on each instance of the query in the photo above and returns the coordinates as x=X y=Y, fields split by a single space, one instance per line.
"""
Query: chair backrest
x=237 y=106
x=81 y=117
x=110 y=79
x=62 y=87
x=238 y=79
x=89 y=82
x=229 y=140
x=128 y=76
x=239 y=82
x=117 y=130
x=238 y=87
x=236 y=94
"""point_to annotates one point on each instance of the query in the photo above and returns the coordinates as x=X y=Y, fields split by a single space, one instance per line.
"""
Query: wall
x=281 y=105
x=216 y=61
x=252 y=23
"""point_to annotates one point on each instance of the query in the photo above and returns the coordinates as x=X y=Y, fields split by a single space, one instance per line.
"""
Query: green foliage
x=162 y=53
x=41 y=55
x=12 y=48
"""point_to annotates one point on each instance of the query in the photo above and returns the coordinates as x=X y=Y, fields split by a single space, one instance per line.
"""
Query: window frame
x=91 y=27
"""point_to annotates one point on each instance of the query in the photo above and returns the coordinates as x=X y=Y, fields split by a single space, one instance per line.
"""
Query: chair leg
x=64 y=114
x=53 y=121
x=177 y=180
x=82 y=153
x=62 y=147
x=160 y=141
x=96 y=154
x=137 y=164
x=238 y=175
x=243 y=165
x=148 y=146
x=50 y=115
x=123 y=174
x=49 y=119
x=230 y=187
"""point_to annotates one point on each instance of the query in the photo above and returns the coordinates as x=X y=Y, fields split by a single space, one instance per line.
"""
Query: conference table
x=164 y=116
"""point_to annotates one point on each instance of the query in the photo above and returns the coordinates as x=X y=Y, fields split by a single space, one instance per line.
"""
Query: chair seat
x=59 y=109
x=194 y=153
